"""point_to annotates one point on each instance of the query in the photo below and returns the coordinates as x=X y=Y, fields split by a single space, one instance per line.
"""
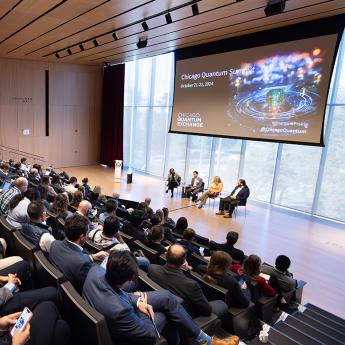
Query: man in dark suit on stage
x=196 y=186
x=238 y=197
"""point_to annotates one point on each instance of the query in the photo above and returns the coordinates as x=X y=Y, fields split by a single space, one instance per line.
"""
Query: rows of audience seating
x=72 y=241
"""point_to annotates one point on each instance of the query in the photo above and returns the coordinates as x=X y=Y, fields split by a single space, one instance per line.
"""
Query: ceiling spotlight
x=69 y=51
x=168 y=18
x=81 y=47
x=95 y=43
x=142 y=43
x=57 y=55
x=195 y=9
x=115 y=36
x=274 y=7
x=145 y=26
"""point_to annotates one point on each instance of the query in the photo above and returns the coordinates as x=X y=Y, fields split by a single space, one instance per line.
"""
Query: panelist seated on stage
x=196 y=186
x=213 y=190
x=173 y=181
x=238 y=197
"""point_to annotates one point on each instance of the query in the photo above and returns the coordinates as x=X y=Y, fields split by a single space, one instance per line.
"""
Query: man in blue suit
x=68 y=255
x=139 y=318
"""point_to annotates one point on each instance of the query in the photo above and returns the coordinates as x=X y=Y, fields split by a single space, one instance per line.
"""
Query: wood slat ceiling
x=38 y=29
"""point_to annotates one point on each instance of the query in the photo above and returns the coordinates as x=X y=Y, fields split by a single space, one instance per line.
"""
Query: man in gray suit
x=196 y=186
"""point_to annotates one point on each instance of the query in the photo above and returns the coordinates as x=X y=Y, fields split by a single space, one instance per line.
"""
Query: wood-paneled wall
x=74 y=110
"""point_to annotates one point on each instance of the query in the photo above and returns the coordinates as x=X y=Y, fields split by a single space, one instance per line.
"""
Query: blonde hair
x=216 y=180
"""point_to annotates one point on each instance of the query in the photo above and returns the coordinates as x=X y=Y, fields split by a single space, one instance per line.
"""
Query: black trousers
x=172 y=185
x=227 y=202
x=190 y=192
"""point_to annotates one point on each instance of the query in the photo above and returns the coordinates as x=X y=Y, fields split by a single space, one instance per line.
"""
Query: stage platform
x=316 y=246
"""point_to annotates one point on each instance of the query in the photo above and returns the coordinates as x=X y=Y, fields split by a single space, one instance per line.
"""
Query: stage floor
x=316 y=246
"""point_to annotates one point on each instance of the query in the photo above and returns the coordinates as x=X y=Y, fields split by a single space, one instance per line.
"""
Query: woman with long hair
x=76 y=199
x=173 y=181
x=216 y=272
x=59 y=206
x=213 y=191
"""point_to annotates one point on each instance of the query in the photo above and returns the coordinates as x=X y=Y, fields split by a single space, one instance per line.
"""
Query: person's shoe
x=227 y=216
x=172 y=195
x=220 y=213
x=200 y=206
x=167 y=191
x=232 y=340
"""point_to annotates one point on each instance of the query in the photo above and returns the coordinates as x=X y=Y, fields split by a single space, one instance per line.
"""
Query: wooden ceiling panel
x=37 y=29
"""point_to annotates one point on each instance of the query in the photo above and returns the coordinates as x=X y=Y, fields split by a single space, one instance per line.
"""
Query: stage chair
x=239 y=204
x=214 y=197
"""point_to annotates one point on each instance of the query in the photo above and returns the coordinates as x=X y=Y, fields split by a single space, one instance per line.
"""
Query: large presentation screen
x=275 y=92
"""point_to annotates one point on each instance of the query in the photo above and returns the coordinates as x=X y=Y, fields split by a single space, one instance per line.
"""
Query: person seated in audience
x=36 y=231
x=39 y=168
x=128 y=315
x=45 y=327
x=59 y=207
x=213 y=191
x=167 y=221
x=72 y=185
x=17 y=214
x=238 y=196
x=46 y=180
x=186 y=242
x=24 y=166
x=76 y=199
x=84 y=208
x=228 y=247
x=155 y=238
x=3 y=171
x=147 y=203
x=281 y=273
x=110 y=210
x=196 y=186
x=68 y=256
x=181 y=225
x=20 y=186
x=56 y=184
x=85 y=187
x=34 y=177
x=251 y=269
x=110 y=238
x=140 y=212
x=173 y=181
x=15 y=278
x=96 y=197
x=43 y=191
x=164 y=223
x=171 y=277
x=216 y=272
x=133 y=229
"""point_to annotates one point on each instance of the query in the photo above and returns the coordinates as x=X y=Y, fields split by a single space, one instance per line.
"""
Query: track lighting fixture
x=195 y=9
x=81 y=47
x=115 y=36
x=95 y=43
x=274 y=7
x=57 y=55
x=168 y=18
x=145 y=26
x=69 y=51
x=142 y=43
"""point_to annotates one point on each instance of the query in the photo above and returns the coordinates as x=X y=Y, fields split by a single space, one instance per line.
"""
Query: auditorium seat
x=24 y=249
x=195 y=260
x=91 y=247
x=151 y=254
x=6 y=232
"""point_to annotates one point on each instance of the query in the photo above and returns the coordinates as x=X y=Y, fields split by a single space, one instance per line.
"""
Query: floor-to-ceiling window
x=309 y=179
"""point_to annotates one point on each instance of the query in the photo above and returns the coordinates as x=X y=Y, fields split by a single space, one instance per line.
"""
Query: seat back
x=194 y=260
x=46 y=273
x=6 y=232
x=129 y=240
x=202 y=241
x=88 y=326
x=71 y=208
x=151 y=254
x=24 y=249
x=91 y=246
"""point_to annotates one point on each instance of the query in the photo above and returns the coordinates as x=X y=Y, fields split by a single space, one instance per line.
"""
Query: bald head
x=116 y=195
x=84 y=207
x=34 y=172
x=22 y=184
x=176 y=256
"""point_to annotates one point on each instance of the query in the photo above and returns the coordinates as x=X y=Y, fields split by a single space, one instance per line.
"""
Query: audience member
x=36 y=231
x=132 y=229
x=24 y=165
x=46 y=181
x=43 y=191
x=76 y=199
x=20 y=186
x=181 y=225
x=84 y=208
x=3 y=171
x=168 y=225
x=128 y=315
x=216 y=272
x=85 y=187
x=110 y=210
x=17 y=213
x=68 y=256
x=155 y=237
x=228 y=246
x=71 y=187
x=171 y=277
x=213 y=190
x=56 y=184
x=186 y=242
x=34 y=177
x=59 y=206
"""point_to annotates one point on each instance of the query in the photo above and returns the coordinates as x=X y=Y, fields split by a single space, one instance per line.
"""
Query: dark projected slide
x=274 y=92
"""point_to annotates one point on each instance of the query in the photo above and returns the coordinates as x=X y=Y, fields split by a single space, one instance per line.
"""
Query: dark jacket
x=71 y=261
x=159 y=248
x=236 y=254
x=178 y=283
x=131 y=230
x=239 y=298
x=242 y=195
x=190 y=247
x=33 y=232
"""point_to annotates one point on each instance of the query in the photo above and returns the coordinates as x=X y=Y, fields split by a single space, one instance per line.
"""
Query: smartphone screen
x=23 y=319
